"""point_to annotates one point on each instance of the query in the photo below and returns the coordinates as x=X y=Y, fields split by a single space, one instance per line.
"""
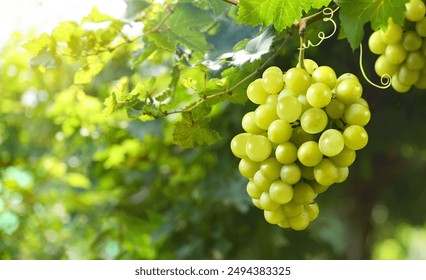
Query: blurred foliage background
x=76 y=184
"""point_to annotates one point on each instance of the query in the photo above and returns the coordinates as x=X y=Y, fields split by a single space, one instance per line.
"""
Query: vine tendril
x=385 y=80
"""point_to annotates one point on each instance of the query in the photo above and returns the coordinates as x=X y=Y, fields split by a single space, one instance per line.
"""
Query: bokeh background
x=76 y=184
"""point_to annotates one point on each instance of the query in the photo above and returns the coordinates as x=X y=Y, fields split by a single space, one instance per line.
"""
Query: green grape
x=270 y=168
x=298 y=80
x=421 y=82
x=273 y=82
x=279 y=131
x=424 y=47
x=345 y=158
x=266 y=203
x=258 y=148
x=261 y=182
x=286 y=92
x=289 y=108
x=349 y=91
x=356 y=137
x=292 y=209
x=299 y=222
x=393 y=33
x=398 y=86
x=281 y=192
x=286 y=153
x=303 y=193
x=406 y=76
x=318 y=95
x=239 y=143
x=335 y=109
x=309 y=154
x=284 y=224
x=376 y=44
x=274 y=217
x=300 y=136
x=396 y=53
x=256 y=93
x=346 y=76
x=331 y=143
x=343 y=173
x=363 y=102
x=249 y=125
x=314 y=120
x=272 y=100
x=256 y=202
x=253 y=191
x=421 y=27
x=411 y=41
x=326 y=173
x=248 y=167
x=384 y=67
x=415 y=61
x=325 y=75
x=310 y=65
x=415 y=10
x=272 y=69
x=357 y=114
x=307 y=172
x=290 y=173
x=264 y=115
x=304 y=101
x=313 y=210
x=317 y=187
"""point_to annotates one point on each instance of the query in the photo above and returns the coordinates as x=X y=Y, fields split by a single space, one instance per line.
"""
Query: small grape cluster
x=300 y=139
x=402 y=50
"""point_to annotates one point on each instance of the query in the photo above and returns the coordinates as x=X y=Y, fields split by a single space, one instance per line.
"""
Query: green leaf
x=110 y=104
x=188 y=135
x=96 y=16
x=183 y=27
x=134 y=7
x=64 y=31
x=94 y=65
x=78 y=180
x=45 y=60
x=141 y=55
x=281 y=14
x=355 y=14
x=38 y=44
x=142 y=89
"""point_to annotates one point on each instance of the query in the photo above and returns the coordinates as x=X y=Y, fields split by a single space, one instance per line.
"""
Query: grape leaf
x=183 y=27
x=281 y=14
x=188 y=134
x=355 y=14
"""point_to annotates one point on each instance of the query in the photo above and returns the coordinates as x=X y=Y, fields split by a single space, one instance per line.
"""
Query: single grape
x=395 y=53
x=309 y=154
x=266 y=203
x=286 y=153
x=345 y=158
x=319 y=94
x=273 y=82
x=256 y=93
x=398 y=86
x=289 y=108
x=239 y=143
x=331 y=143
x=270 y=168
x=406 y=76
x=356 y=137
x=313 y=210
x=258 y=148
x=256 y=202
x=299 y=222
x=314 y=120
x=300 y=136
x=248 y=167
x=272 y=69
x=376 y=44
x=346 y=76
x=298 y=80
x=317 y=187
x=415 y=61
x=249 y=124
x=415 y=10
x=343 y=173
x=310 y=65
x=349 y=91
x=261 y=182
x=421 y=27
x=383 y=67
x=326 y=173
x=253 y=191
x=411 y=41
x=303 y=193
x=335 y=109
x=293 y=209
x=284 y=223
x=307 y=172
x=325 y=75
x=357 y=114
x=274 y=217
x=281 y=192
x=279 y=131
x=290 y=173
x=393 y=33
x=264 y=115
x=286 y=92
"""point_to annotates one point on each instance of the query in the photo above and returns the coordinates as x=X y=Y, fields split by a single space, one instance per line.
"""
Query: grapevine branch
x=233 y=2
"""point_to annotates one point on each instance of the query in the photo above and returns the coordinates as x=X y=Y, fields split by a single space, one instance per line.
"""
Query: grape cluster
x=402 y=50
x=300 y=139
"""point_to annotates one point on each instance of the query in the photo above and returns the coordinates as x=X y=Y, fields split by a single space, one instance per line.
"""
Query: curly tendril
x=385 y=80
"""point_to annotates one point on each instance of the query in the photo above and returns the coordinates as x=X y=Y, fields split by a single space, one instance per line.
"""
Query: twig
x=233 y=2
